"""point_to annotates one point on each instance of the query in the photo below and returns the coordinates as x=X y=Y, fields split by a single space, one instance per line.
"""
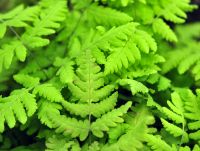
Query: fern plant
x=179 y=121
x=95 y=76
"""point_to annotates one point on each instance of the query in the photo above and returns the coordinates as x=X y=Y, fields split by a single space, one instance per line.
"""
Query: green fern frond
x=161 y=28
x=173 y=11
x=185 y=107
x=95 y=109
x=66 y=71
x=8 y=51
x=177 y=109
x=144 y=41
x=135 y=86
x=96 y=96
x=61 y=143
x=176 y=113
x=138 y=128
x=192 y=107
x=186 y=148
x=31 y=37
x=46 y=24
x=70 y=126
x=88 y=85
x=154 y=13
x=175 y=130
x=130 y=51
x=116 y=132
x=26 y=80
x=49 y=92
x=130 y=135
x=126 y=54
x=17 y=17
x=124 y=42
x=99 y=15
x=111 y=37
x=47 y=108
x=157 y=144
x=109 y=119
x=144 y=67
x=91 y=98
x=194 y=125
x=18 y=106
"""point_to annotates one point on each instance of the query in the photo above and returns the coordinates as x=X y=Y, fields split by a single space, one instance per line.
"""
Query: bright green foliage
x=17 y=18
x=49 y=92
x=135 y=130
x=185 y=56
x=57 y=142
x=174 y=130
x=66 y=71
x=160 y=27
x=99 y=15
x=88 y=81
x=135 y=86
x=86 y=102
x=124 y=53
x=157 y=144
x=192 y=107
x=95 y=109
x=46 y=90
x=44 y=24
x=146 y=67
x=162 y=82
x=26 y=80
x=18 y=106
x=176 y=114
x=177 y=109
x=124 y=42
x=99 y=75
x=109 y=120
x=8 y=51
x=70 y=126
x=46 y=109
x=151 y=14
x=184 y=111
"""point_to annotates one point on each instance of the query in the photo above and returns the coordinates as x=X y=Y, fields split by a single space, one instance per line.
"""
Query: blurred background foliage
x=6 y=5
x=9 y=4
